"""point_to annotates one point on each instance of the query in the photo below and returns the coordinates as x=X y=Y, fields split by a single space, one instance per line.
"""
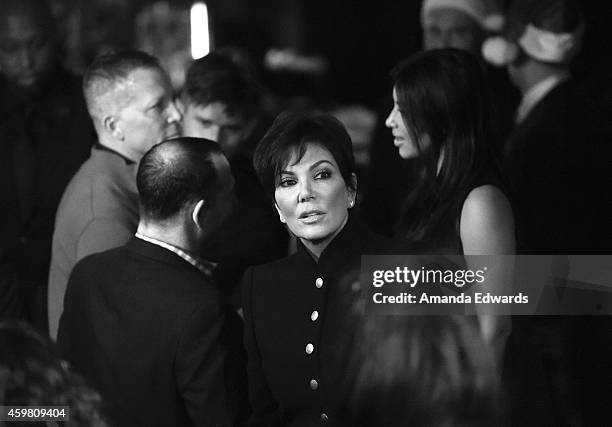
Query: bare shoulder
x=487 y=223
x=485 y=201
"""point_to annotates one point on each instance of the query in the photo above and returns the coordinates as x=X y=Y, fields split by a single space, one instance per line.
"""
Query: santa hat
x=549 y=31
x=482 y=11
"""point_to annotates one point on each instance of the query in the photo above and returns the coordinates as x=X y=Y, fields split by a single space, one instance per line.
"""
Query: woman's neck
x=316 y=247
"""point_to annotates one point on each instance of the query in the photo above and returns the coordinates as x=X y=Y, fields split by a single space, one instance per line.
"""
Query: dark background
x=361 y=40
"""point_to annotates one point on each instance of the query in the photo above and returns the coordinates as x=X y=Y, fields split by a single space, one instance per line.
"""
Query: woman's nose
x=389 y=121
x=305 y=193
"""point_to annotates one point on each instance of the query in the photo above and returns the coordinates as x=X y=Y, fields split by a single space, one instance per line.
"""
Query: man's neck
x=119 y=148
x=168 y=233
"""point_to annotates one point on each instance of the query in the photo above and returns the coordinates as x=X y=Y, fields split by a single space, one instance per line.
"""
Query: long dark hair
x=442 y=94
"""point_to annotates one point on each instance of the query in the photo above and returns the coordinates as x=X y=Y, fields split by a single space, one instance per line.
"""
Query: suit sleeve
x=264 y=407
x=66 y=320
x=201 y=368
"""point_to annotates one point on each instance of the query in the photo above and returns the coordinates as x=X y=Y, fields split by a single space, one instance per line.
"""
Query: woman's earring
x=351 y=203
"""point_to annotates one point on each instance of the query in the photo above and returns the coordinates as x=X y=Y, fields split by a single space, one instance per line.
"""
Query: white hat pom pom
x=499 y=51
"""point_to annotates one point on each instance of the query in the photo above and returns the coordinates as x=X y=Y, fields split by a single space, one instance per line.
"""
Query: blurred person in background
x=425 y=371
x=130 y=100
x=32 y=373
x=145 y=322
x=221 y=102
x=45 y=135
x=558 y=159
x=551 y=154
x=461 y=24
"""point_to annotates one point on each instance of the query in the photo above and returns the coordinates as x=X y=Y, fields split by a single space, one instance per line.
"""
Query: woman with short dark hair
x=296 y=330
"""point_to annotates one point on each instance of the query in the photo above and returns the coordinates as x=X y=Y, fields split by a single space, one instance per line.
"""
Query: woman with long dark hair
x=441 y=118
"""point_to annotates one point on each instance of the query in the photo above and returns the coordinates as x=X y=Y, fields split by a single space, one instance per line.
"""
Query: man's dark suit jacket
x=558 y=158
x=150 y=331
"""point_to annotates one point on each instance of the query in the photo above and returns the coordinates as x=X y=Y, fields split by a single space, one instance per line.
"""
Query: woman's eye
x=323 y=174
x=287 y=182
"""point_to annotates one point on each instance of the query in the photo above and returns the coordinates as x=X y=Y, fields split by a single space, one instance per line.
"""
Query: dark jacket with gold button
x=297 y=333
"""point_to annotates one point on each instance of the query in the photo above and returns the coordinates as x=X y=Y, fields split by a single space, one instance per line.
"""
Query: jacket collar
x=158 y=253
x=347 y=243
x=103 y=148
x=537 y=93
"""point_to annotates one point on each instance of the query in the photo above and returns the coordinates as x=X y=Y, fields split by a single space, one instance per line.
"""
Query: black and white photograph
x=305 y=213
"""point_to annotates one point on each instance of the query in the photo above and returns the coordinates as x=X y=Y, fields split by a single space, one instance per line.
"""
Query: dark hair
x=109 y=69
x=423 y=370
x=216 y=78
x=40 y=10
x=176 y=172
x=558 y=16
x=32 y=373
x=442 y=94
x=292 y=133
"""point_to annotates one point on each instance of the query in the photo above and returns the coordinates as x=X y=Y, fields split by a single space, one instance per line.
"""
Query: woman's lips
x=311 y=217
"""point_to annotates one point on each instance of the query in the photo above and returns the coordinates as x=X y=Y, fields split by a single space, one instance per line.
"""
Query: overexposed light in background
x=200 y=32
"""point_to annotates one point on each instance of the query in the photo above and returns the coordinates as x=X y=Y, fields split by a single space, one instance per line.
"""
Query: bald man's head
x=182 y=171
x=28 y=43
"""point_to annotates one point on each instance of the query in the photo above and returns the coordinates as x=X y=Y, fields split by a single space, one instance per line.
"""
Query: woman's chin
x=315 y=235
x=407 y=154
x=315 y=238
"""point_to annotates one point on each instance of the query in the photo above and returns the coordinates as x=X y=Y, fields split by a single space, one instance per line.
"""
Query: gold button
x=314 y=384
x=324 y=417
x=319 y=282
x=314 y=316
x=309 y=348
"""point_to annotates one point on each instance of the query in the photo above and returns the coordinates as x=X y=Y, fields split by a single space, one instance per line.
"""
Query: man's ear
x=198 y=212
x=280 y=215
x=112 y=127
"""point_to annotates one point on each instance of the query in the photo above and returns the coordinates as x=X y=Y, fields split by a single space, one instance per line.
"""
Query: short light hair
x=107 y=73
